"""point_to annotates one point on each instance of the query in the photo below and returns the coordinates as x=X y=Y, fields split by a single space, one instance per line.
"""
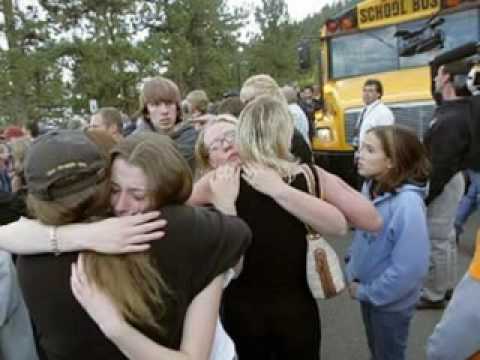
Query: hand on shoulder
x=263 y=179
x=225 y=186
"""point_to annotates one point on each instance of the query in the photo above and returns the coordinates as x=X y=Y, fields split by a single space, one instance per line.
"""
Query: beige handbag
x=324 y=272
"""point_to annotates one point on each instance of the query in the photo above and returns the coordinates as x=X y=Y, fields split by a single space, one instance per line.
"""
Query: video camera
x=424 y=39
x=473 y=80
x=464 y=64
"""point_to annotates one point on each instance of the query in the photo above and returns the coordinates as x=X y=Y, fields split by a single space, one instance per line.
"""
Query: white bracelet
x=54 y=241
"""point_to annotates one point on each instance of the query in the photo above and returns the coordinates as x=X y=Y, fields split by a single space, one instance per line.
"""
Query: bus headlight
x=324 y=134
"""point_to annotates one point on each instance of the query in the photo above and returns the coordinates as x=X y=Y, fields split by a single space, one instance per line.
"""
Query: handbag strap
x=314 y=186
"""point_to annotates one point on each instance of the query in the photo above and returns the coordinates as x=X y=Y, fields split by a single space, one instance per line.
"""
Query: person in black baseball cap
x=63 y=162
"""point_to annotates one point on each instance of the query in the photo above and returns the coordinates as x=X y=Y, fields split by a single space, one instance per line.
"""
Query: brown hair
x=159 y=89
x=198 y=99
x=140 y=295
x=231 y=105
x=378 y=85
x=19 y=149
x=408 y=156
x=167 y=171
x=111 y=116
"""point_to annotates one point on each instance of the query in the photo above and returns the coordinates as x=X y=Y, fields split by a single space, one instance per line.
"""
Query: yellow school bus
x=360 y=44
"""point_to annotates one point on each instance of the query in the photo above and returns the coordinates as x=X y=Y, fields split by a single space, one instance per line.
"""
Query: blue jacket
x=390 y=264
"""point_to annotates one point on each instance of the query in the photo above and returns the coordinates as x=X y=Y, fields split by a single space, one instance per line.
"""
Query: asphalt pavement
x=343 y=335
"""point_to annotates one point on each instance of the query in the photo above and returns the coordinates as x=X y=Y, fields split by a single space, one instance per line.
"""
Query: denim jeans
x=469 y=202
x=387 y=331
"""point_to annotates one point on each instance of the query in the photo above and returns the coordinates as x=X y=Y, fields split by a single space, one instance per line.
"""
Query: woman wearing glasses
x=269 y=310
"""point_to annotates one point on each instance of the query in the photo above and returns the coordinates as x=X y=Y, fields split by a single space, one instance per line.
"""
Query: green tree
x=28 y=77
x=273 y=50
x=60 y=54
x=197 y=43
x=101 y=55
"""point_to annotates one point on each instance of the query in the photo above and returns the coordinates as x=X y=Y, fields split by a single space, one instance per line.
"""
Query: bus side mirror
x=303 y=53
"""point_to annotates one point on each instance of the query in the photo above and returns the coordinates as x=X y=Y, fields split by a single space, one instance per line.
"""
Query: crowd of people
x=182 y=235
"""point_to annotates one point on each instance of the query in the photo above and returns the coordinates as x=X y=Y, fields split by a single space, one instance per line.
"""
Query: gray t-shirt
x=16 y=336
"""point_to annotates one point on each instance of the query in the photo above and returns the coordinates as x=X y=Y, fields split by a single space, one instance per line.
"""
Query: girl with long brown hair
x=164 y=298
x=386 y=268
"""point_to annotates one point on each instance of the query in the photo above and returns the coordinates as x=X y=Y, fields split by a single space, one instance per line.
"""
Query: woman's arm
x=219 y=188
x=113 y=235
x=322 y=216
x=198 y=331
x=201 y=320
x=201 y=193
x=357 y=209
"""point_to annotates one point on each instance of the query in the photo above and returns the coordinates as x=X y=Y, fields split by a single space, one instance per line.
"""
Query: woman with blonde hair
x=269 y=310
x=262 y=84
x=220 y=135
x=143 y=304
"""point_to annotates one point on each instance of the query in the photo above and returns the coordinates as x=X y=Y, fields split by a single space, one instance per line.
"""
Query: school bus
x=363 y=43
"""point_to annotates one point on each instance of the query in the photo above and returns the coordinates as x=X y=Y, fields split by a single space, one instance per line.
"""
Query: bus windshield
x=376 y=50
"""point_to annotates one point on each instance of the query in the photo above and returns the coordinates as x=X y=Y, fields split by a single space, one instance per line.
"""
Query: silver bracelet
x=54 y=241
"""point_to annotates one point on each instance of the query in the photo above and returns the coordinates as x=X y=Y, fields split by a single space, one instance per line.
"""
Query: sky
x=298 y=9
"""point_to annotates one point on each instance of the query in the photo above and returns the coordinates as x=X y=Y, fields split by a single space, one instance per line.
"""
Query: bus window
x=364 y=53
x=459 y=28
x=376 y=51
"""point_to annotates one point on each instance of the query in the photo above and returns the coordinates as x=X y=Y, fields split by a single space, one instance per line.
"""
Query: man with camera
x=449 y=141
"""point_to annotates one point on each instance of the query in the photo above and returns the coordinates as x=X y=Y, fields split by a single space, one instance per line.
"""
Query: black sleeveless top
x=276 y=260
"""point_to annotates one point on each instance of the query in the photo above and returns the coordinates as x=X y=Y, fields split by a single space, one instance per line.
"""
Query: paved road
x=342 y=328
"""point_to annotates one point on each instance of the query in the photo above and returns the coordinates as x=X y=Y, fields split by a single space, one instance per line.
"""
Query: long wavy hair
x=132 y=280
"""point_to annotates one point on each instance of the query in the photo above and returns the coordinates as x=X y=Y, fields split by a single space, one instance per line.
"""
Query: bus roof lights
x=451 y=3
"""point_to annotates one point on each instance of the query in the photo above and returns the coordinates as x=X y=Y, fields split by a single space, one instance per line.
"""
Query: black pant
x=283 y=327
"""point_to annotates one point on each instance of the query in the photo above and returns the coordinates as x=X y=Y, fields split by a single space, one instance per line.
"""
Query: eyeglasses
x=227 y=139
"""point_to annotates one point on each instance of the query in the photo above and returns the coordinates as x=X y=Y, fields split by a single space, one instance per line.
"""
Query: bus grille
x=416 y=117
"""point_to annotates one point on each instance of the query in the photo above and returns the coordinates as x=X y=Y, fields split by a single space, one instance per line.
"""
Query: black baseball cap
x=61 y=163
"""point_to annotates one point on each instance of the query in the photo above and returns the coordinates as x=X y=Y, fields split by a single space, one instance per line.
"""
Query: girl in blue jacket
x=386 y=269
